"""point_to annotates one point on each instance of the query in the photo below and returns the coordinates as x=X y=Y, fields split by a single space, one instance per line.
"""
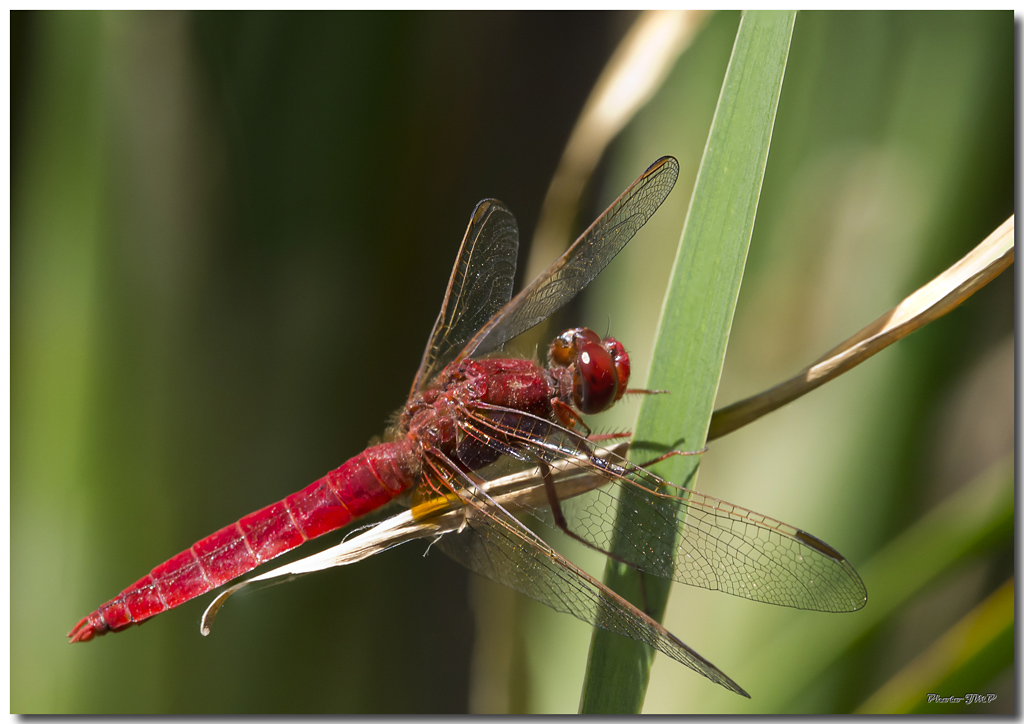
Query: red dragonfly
x=469 y=416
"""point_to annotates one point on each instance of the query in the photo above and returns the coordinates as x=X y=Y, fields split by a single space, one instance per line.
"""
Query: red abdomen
x=360 y=486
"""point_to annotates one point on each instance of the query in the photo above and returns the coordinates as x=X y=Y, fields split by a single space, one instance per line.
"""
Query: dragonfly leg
x=568 y=417
x=563 y=524
x=604 y=437
x=639 y=391
x=672 y=453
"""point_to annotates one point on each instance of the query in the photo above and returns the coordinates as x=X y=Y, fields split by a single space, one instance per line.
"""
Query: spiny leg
x=672 y=453
x=568 y=416
x=563 y=525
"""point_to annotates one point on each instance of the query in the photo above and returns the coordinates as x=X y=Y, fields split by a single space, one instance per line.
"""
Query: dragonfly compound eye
x=621 y=360
x=595 y=382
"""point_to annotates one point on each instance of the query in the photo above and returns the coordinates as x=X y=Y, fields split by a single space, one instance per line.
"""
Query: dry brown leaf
x=941 y=295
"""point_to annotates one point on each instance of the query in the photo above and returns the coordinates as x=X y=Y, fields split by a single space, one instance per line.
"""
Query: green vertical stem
x=694 y=328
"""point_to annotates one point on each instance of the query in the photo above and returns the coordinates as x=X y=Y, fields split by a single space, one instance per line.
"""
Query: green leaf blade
x=695 y=321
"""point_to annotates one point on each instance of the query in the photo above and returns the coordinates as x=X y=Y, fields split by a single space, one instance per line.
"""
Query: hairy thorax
x=433 y=416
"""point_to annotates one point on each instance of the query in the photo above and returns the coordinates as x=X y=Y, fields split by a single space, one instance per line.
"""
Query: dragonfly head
x=599 y=368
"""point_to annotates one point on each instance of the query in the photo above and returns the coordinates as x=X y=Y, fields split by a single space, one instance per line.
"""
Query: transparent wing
x=719 y=546
x=499 y=547
x=583 y=261
x=481 y=283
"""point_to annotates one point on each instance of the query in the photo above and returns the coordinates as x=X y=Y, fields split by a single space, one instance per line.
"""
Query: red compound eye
x=595 y=382
x=621 y=359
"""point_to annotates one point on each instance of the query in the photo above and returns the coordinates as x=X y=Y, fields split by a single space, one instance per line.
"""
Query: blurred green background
x=231 y=233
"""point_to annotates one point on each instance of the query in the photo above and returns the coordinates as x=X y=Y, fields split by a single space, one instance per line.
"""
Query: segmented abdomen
x=360 y=486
